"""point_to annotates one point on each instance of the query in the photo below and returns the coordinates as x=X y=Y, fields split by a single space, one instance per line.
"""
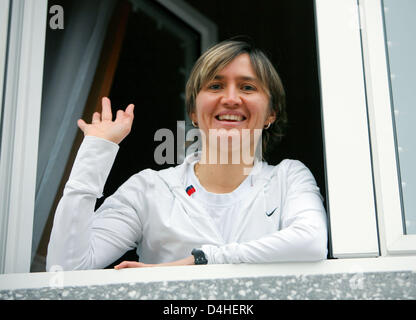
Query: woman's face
x=235 y=99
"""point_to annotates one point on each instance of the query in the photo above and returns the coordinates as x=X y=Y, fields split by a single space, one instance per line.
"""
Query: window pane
x=400 y=29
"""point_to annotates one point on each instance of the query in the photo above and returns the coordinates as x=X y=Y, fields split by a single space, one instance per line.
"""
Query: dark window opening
x=158 y=49
x=147 y=74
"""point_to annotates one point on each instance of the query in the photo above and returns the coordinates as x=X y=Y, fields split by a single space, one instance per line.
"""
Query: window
x=401 y=50
x=386 y=59
x=159 y=47
x=131 y=51
x=21 y=101
x=347 y=86
x=351 y=204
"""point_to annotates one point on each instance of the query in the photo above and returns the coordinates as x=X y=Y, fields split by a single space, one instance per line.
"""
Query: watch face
x=199 y=256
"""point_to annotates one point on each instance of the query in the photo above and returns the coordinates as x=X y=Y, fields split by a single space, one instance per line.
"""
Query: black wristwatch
x=199 y=256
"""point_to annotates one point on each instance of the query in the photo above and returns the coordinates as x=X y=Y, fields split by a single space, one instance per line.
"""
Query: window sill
x=361 y=278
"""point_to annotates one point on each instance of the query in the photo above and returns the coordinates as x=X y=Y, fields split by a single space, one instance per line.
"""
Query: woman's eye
x=214 y=86
x=248 y=87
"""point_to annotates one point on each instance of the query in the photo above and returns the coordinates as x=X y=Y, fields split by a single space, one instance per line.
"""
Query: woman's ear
x=270 y=118
x=194 y=119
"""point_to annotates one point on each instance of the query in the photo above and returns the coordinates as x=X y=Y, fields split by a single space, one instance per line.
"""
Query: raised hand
x=103 y=126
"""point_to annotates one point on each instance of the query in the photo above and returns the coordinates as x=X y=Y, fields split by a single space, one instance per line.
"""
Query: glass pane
x=400 y=27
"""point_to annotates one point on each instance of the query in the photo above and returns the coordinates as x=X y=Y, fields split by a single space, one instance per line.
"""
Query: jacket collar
x=175 y=177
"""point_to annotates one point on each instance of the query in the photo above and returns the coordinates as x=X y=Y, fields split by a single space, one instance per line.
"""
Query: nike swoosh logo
x=269 y=214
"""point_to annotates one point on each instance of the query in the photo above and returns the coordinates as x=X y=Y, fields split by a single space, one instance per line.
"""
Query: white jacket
x=153 y=212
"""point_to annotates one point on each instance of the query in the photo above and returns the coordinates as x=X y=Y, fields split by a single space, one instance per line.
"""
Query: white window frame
x=21 y=102
x=60 y=279
x=390 y=211
x=351 y=201
x=351 y=193
x=4 y=27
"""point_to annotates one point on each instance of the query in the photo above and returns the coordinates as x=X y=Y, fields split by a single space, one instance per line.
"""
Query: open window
x=146 y=56
x=389 y=48
x=336 y=61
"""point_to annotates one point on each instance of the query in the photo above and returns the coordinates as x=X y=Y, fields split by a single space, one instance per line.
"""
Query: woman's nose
x=231 y=97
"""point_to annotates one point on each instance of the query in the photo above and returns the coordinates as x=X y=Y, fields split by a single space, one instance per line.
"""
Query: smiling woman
x=237 y=212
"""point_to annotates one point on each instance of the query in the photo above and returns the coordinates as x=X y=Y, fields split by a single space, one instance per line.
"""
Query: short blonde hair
x=220 y=55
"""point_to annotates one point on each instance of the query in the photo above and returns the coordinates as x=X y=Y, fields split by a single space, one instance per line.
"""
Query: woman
x=203 y=210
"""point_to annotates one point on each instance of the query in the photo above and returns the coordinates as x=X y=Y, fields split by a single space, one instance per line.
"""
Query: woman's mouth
x=230 y=118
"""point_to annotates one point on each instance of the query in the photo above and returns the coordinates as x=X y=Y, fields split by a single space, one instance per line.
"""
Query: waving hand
x=102 y=125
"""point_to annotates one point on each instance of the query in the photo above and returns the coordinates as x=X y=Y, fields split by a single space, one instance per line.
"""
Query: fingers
x=134 y=264
x=119 y=116
x=96 y=117
x=107 y=113
x=130 y=110
x=106 y=110
x=81 y=124
x=128 y=264
x=122 y=265
x=126 y=115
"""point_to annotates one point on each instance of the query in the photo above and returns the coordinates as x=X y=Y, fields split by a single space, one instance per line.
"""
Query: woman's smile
x=230 y=118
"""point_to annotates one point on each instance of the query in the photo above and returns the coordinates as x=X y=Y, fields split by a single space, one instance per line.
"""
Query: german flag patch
x=190 y=190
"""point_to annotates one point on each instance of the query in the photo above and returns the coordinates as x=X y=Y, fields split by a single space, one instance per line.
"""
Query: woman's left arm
x=303 y=233
x=304 y=240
